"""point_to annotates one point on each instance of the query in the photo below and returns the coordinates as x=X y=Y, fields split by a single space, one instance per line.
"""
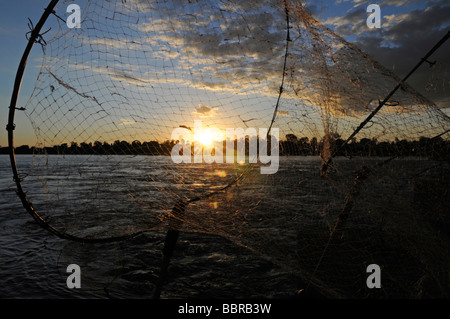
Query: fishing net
x=110 y=94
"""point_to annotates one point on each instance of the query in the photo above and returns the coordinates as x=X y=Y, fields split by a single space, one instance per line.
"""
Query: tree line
x=290 y=146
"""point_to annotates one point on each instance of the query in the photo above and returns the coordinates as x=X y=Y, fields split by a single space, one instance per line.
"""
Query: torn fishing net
x=110 y=94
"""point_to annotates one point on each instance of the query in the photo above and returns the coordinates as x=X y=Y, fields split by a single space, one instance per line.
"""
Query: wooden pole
x=175 y=224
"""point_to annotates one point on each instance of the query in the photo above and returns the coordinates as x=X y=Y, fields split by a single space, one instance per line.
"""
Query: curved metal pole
x=12 y=107
x=11 y=126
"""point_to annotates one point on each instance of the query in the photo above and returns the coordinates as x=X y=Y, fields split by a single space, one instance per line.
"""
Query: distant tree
x=291 y=138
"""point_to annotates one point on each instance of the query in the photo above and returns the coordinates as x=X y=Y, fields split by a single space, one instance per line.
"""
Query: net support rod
x=33 y=38
x=12 y=106
x=35 y=33
x=280 y=92
x=175 y=223
x=382 y=103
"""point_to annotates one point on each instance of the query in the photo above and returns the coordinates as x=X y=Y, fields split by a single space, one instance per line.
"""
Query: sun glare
x=207 y=137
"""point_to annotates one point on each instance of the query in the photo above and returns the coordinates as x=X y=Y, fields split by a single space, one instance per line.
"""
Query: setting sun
x=207 y=136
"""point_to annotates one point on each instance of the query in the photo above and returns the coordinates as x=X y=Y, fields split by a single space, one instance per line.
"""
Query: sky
x=409 y=28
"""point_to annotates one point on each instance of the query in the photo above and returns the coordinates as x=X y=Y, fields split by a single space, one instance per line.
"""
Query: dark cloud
x=352 y=23
x=204 y=111
x=316 y=8
x=242 y=48
x=402 y=45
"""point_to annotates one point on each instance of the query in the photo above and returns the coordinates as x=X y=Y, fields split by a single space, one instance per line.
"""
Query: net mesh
x=109 y=95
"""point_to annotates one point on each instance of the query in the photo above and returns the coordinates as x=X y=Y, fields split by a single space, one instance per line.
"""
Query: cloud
x=244 y=54
x=127 y=122
x=229 y=48
x=204 y=111
x=351 y=24
x=398 y=3
x=393 y=19
x=283 y=113
x=238 y=47
x=123 y=76
x=406 y=38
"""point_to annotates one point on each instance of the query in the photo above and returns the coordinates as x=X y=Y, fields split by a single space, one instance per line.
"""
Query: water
x=244 y=243
x=33 y=262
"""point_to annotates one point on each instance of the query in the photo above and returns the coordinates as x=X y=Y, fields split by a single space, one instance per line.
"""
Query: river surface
x=34 y=262
x=221 y=254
